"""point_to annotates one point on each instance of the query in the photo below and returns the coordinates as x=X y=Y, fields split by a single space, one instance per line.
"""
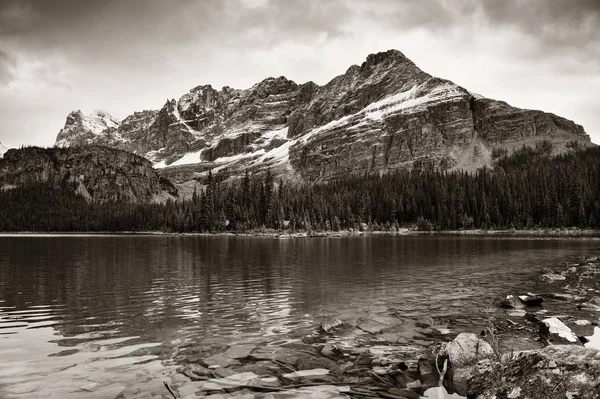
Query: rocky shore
x=536 y=346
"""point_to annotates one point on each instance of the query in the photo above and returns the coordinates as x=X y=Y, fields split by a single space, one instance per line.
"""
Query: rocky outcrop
x=383 y=115
x=558 y=371
x=97 y=173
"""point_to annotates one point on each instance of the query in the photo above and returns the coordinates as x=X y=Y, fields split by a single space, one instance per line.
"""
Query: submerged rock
x=330 y=324
x=593 y=304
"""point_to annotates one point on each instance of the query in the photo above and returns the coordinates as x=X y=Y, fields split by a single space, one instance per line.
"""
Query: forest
x=526 y=190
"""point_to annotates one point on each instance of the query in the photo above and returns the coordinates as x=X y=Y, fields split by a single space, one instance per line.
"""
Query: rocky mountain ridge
x=97 y=173
x=382 y=115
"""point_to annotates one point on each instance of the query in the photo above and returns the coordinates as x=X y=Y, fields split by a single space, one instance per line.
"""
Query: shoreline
x=283 y=234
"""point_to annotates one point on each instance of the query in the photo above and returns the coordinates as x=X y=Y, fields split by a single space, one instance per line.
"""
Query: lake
x=86 y=316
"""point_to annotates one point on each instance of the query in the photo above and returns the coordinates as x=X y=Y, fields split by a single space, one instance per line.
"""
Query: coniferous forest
x=528 y=189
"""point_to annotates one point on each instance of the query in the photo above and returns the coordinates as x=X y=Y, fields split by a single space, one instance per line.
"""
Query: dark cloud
x=556 y=24
x=140 y=30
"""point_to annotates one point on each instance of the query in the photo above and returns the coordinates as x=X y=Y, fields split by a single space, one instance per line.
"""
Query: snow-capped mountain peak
x=82 y=129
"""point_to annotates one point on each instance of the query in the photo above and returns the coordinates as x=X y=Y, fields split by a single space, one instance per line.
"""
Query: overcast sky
x=121 y=56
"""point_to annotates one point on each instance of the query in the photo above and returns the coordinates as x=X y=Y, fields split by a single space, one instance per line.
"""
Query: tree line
x=528 y=189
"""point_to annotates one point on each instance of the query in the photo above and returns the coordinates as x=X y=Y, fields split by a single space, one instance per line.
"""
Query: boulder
x=553 y=330
x=531 y=299
x=511 y=302
x=466 y=349
x=466 y=354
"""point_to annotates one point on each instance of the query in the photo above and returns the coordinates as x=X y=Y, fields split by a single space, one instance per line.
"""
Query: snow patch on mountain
x=99 y=121
x=180 y=120
x=3 y=150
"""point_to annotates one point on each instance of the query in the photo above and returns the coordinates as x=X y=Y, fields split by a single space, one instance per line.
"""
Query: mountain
x=99 y=174
x=97 y=128
x=3 y=150
x=383 y=115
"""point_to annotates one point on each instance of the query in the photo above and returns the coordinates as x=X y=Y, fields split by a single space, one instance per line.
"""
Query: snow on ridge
x=184 y=122
x=408 y=101
x=192 y=158
x=3 y=150
x=99 y=121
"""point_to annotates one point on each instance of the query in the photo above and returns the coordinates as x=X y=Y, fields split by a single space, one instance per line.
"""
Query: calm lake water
x=78 y=312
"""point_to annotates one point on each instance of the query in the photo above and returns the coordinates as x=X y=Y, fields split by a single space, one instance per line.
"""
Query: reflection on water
x=84 y=310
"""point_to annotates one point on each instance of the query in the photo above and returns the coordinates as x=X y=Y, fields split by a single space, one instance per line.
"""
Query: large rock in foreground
x=560 y=371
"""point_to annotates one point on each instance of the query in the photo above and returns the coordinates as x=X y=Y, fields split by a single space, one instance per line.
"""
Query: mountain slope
x=99 y=174
x=382 y=115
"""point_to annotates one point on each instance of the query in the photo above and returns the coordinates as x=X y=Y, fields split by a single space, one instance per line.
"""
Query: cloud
x=6 y=67
x=129 y=55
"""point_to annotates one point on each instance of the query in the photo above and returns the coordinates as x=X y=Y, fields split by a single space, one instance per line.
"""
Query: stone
x=466 y=349
x=306 y=373
x=330 y=324
x=276 y=354
x=234 y=380
x=239 y=351
x=531 y=300
x=466 y=354
x=195 y=371
x=593 y=304
x=223 y=372
x=425 y=321
x=318 y=362
x=551 y=277
x=566 y=297
x=511 y=302
x=330 y=351
x=220 y=360
x=554 y=330
x=91 y=387
x=517 y=313
x=374 y=324
x=261 y=367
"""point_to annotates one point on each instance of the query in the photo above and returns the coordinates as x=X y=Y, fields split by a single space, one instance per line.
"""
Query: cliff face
x=382 y=115
x=97 y=173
